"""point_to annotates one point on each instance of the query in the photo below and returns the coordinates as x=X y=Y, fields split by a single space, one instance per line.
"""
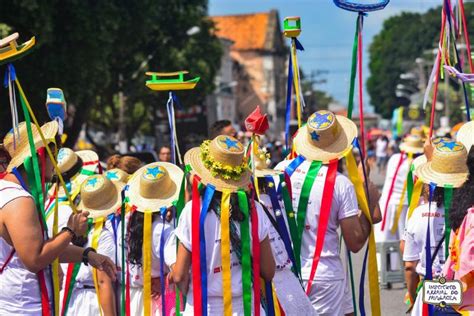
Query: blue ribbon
x=298 y=44
x=20 y=179
x=283 y=231
x=290 y=169
x=175 y=99
x=458 y=66
x=206 y=202
x=170 y=110
x=162 y=261
x=269 y=296
x=429 y=263
x=10 y=75
x=289 y=94
x=361 y=284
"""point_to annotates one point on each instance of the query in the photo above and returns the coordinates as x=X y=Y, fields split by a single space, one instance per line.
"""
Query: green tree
x=85 y=47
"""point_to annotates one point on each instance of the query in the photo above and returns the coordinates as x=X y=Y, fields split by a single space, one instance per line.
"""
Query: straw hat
x=117 y=175
x=22 y=150
x=325 y=137
x=412 y=144
x=100 y=196
x=76 y=166
x=418 y=131
x=154 y=186
x=465 y=135
x=220 y=162
x=262 y=161
x=8 y=142
x=448 y=165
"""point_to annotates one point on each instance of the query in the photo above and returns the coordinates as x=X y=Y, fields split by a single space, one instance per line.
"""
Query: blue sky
x=327 y=33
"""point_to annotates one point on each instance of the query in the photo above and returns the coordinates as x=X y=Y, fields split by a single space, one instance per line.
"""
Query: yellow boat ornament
x=10 y=50
x=168 y=83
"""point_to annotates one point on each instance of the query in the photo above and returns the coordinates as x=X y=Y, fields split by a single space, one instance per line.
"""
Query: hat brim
x=411 y=149
x=89 y=163
x=143 y=204
x=49 y=131
x=336 y=150
x=107 y=208
x=193 y=159
x=465 y=135
x=418 y=161
x=426 y=173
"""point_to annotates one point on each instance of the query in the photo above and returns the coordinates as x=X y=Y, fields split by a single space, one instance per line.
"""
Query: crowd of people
x=227 y=234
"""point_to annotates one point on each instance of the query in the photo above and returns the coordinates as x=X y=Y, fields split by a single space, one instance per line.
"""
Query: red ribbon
x=127 y=291
x=256 y=257
x=196 y=254
x=67 y=286
x=392 y=185
x=41 y=154
x=466 y=35
x=324 y=214
x=45 y=307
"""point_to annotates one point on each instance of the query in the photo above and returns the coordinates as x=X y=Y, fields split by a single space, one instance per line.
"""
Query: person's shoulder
x=343 y=181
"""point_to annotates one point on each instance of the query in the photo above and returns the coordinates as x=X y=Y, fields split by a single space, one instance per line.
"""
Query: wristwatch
x=85 y=254
x=69 y=230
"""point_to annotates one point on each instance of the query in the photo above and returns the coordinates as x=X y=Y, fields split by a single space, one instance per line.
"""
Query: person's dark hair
x=463 y=198
x=135 y=237
x=216 y=128
x=438 y=195
x=236 y=213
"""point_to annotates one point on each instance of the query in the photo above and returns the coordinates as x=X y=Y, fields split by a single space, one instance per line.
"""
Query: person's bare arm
x=179 y=274
x=106 y=294
x=33 y=251
x=411 y=278
x=355 y=230
x=267 y=262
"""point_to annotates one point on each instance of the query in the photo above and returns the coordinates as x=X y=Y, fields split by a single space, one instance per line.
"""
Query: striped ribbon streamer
x=196 y=252
x=147 y=239
x=448 y=200
x=246 y=257
x=99 y=223
x=225 y=253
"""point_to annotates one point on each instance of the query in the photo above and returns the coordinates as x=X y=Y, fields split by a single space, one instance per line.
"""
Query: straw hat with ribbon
x=100 y=196
x=154 y=186
x=448 y=165
x=412 y=144
x=220 y=162
x=465 y=135
x=76 y=166
x=117 y=175
x=21 y=150
x=325 y=137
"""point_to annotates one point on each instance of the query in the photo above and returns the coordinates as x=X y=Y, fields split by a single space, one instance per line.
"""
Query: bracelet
x=85 y=254
x=69 y=230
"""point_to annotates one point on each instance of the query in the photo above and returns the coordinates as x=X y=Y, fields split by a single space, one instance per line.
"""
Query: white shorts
x=291 y=295
x=83 y=302
x=330 y=297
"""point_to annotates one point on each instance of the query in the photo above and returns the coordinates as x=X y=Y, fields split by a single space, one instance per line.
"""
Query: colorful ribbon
x=162 y=261
x=99 y=223
x=350 y=106
x=295 y=44
x=415 y=199
x=147 y=236
x=289 y=94
x=361 y=89
x=324 y=214
x=246 y=257
x=196 y=252
x=225 y=253
x=256 y=256
x=448 y=199
x=206 y=202
x=390 y=191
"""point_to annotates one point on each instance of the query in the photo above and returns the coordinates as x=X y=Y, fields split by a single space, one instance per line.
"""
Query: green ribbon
x=353 y=71
x=351 y=273
x=303 y=204
x=448 y=199
x=290 y=215
x=122 y=219
x=246 y=262
x=410 y=183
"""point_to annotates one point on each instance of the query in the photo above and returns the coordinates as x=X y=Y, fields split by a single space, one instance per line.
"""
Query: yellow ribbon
x=296 y=80
x=372 y=265
x=147 y=263
x=48 y=150
x=99 y=223
x=415 y=198
x=56 y=261
x=225 y=252
x=276 y=305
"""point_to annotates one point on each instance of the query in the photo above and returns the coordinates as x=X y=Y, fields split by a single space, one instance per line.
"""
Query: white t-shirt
x=344 y=205
x=415 y=237
x=399 y=182
x=212 y=229
x=282 y=260
x=136 y=271
x=106 y=247
x=64 y=212
x=381 y=148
